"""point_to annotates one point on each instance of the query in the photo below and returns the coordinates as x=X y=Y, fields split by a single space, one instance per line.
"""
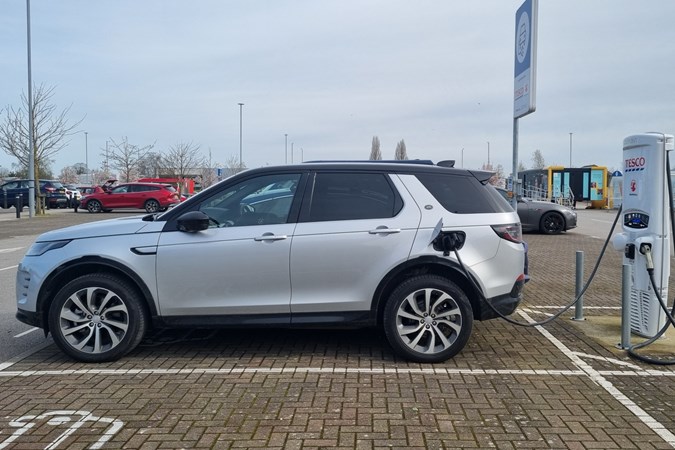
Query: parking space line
x=26 y=332
x=8 y=268
x=9 y=250
x=601 y=381
x=10 y=362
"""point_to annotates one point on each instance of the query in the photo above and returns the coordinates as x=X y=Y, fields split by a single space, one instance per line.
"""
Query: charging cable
x=564 y=308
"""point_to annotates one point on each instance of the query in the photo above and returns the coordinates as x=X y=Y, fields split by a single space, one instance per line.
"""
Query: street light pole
x=241 y=105
x=31 y=143
x=86 y=154
x=570 y=150
x=286 y=148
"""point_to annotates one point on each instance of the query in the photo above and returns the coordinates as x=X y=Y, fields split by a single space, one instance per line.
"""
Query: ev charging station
x=645 y=238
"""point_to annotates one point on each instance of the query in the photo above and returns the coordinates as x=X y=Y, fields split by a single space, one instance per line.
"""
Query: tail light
x=511 y=232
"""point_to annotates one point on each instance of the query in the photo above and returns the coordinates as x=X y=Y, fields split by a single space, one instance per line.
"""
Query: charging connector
x=646 y=250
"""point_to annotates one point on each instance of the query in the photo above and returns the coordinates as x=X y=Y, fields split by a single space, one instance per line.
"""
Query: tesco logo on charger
x=635 y=163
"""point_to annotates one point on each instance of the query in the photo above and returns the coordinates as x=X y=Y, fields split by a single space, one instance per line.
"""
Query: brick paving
x=510 y=388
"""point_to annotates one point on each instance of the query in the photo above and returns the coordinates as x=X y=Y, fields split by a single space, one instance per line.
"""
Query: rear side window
x=462 y=194
x=353 y=196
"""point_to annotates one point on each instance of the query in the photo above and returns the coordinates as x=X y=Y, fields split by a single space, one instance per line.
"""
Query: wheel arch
x=88 y=265
x=432 y=265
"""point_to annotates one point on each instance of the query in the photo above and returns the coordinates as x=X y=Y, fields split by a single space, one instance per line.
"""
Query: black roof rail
x=426 y=162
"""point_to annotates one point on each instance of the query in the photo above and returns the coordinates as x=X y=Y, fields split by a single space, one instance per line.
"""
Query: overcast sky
x=333 y=74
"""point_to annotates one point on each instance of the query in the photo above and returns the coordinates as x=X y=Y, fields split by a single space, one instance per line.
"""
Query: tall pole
x=489 y=167
x=286 y=148
x=462 y=157
x=241 y=105
x=86 y=154
x=31 y=144
x=570 y=150
x=291 y=152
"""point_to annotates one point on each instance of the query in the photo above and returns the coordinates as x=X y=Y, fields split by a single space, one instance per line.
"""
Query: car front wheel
x=94 y=206
x=428 y=319
x=97 y=318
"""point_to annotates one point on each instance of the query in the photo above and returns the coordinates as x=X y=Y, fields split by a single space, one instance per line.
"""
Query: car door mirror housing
x=193 y=221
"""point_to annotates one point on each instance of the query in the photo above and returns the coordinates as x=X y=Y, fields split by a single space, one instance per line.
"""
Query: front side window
x=352 y=196
x=121 y=189
x=256 y=201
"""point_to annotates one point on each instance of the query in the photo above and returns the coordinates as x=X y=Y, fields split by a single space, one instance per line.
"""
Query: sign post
x=524 y=98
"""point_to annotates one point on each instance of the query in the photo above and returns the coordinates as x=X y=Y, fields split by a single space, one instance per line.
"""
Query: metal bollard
x=579 y=306
x=625 y=307
x=18 y=205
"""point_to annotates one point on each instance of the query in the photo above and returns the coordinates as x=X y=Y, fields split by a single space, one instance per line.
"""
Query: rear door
x=353 y=228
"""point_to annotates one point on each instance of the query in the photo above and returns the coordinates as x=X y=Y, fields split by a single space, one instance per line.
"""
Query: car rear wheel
x=97 y=317
x=552 y=223
x=428 y=319
x=151 y=206
x=94 y=206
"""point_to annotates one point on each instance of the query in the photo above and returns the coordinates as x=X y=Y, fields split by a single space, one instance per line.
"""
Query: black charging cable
x=564 y=308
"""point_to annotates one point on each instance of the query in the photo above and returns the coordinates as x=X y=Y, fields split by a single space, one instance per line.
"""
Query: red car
x=152 y=197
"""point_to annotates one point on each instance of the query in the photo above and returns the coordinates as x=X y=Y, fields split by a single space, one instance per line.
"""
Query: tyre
x=151 y=206
x=97 y=318
x=428 y=319
x=552 y=223
x=94 y=206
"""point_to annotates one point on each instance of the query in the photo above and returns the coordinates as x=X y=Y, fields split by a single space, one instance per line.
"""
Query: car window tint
x=252 y=202
x=120 y=190
x=461 y=194
x=352 y=196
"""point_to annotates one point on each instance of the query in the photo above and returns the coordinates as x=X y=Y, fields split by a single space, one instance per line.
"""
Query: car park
x=543 y=217
x=152 y=197
x=53 y=192
x=419 y=250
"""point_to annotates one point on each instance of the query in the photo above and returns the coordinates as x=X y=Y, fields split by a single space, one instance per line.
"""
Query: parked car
x=152 y=197
x=543 y=217
x=73 y=194
x=349 y=245
x=87 y=190
x=53 y=191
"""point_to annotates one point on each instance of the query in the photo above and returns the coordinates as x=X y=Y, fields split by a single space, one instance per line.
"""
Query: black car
x=53 y=192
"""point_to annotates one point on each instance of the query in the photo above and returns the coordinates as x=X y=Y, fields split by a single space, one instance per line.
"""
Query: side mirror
x=193 y=221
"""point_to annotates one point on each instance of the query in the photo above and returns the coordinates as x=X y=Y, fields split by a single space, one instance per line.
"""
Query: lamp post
x=286 y=148
x=570 y=150
x=241 y=105
x=86 y=153
x=31 y=143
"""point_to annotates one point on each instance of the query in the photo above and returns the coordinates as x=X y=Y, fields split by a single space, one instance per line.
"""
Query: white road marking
x=9 y=250
x=601 y=381
x=26 y=332
x=9 y=363
x=8 y=268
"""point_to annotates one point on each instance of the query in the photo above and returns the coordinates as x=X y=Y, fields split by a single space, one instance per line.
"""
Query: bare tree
x=375 y=153
x=126 y=158
x=69 y=175
x=50 y=132
x=401 y=152
x=538 y=160
x=183 y=159
x=234 y=166
x=151 y=165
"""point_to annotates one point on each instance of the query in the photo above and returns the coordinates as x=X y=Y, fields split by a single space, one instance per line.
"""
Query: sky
x=330 y=75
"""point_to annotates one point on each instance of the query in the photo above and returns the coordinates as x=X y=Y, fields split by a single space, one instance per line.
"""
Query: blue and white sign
x=525 y=59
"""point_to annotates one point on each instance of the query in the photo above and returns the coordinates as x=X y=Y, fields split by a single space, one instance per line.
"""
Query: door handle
x=270 y=237
x=385 y=230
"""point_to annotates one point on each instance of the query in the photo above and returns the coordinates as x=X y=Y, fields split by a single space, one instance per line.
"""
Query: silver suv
x=317 y=244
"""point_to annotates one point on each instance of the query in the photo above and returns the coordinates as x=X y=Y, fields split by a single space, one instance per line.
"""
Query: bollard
x=18 y=205
x=579 y=306
x=625 y=307
x=4 y=198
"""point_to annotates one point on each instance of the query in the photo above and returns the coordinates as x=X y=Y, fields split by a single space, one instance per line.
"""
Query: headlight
x=40 y=248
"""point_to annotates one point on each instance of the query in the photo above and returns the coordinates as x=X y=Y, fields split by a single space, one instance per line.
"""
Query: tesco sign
x=635 y=163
